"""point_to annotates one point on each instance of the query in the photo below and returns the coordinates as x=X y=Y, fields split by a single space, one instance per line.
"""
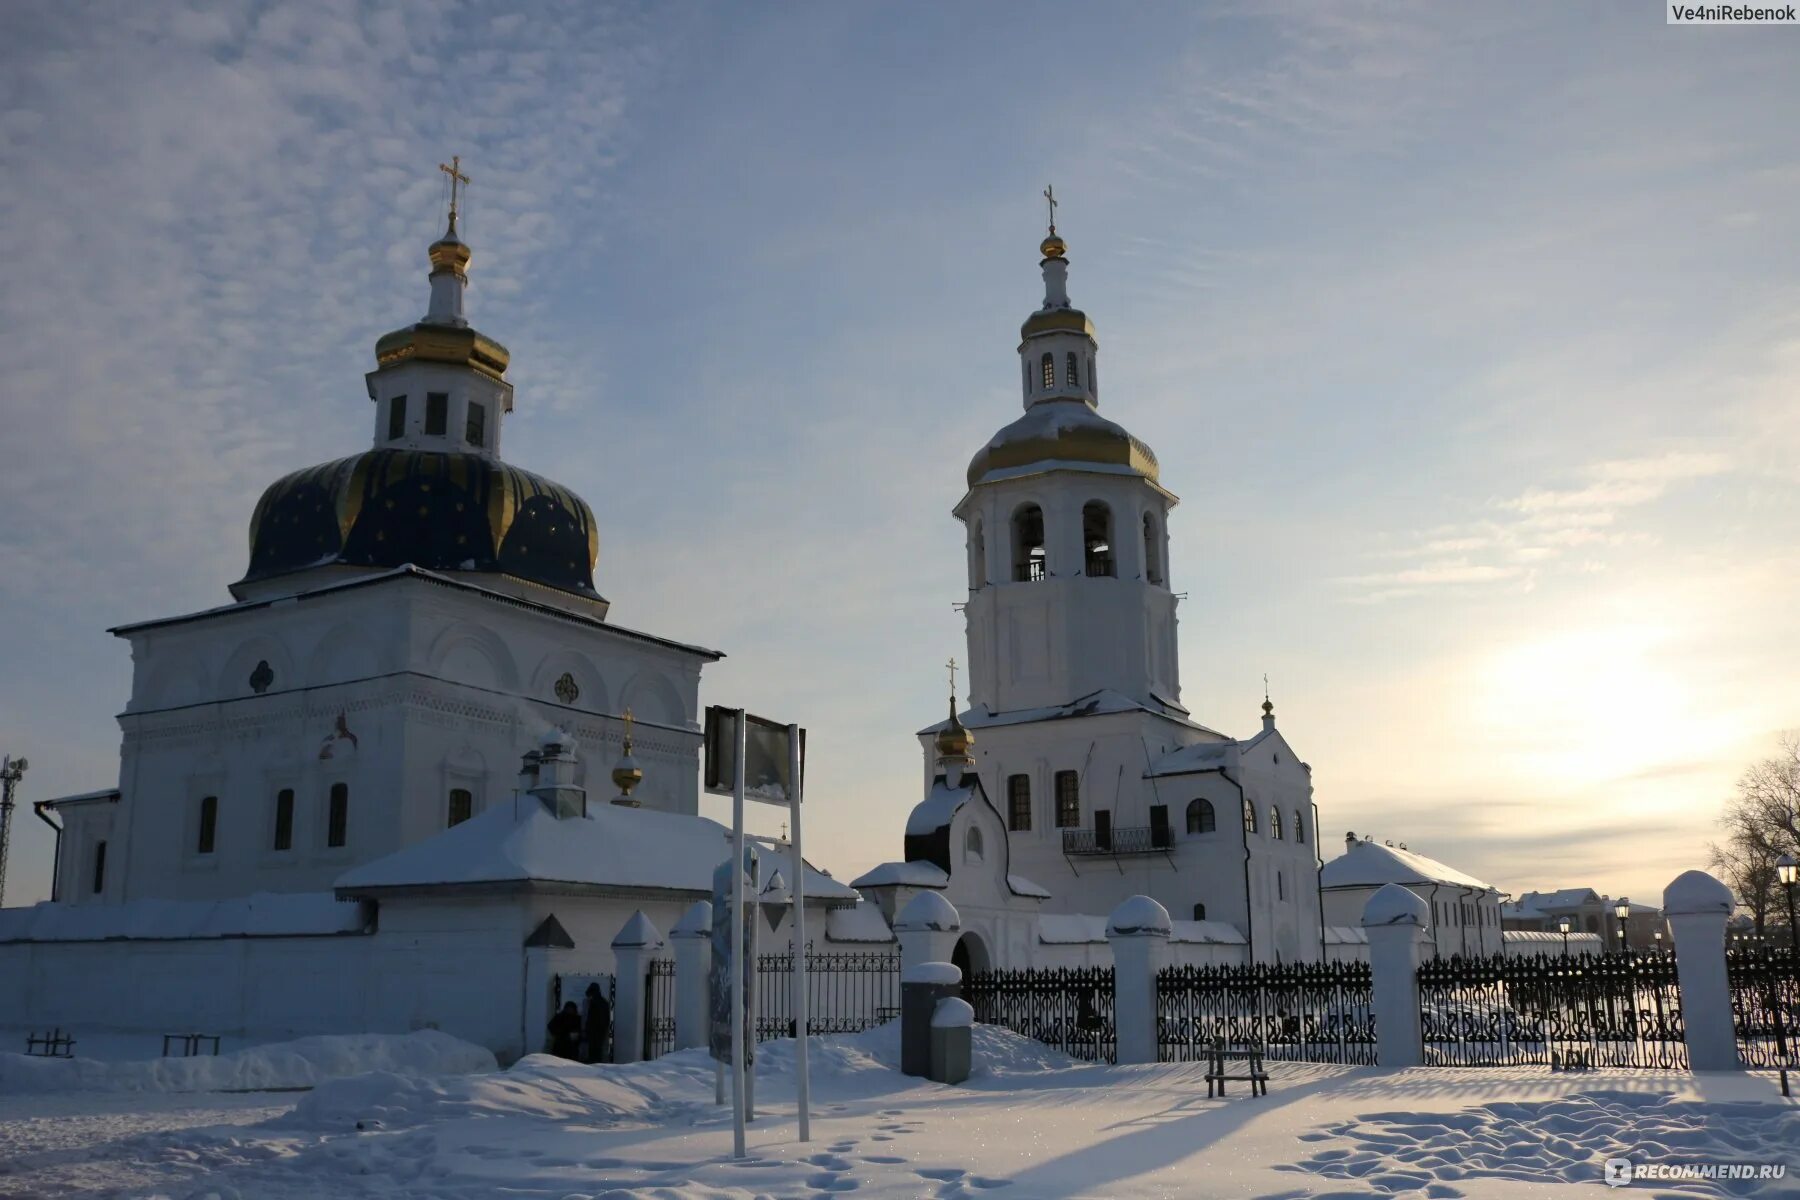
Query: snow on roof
x=1544 y=902
x=264 y=914
x=939 y=805
x=1371 y=864
x=1544 y=936
x=909 y=874
x=1346 y=935
x=1202 y=756
x=1074 y=929
x=613 y=846
x=860 y=922
x=1021 y=886
x=1093 y=704
x=110 y=794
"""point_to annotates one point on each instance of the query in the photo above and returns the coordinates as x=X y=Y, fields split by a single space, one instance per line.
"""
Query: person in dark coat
x=565 y=1032
x=596 y=1027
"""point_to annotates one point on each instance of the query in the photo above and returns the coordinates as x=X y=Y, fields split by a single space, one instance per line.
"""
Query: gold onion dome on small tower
x=1052 y=247
x=955 y=740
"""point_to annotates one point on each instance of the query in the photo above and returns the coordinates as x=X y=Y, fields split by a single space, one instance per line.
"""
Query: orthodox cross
x=1050 y=195
x=1265 y=687
x=952 y=665
x=628 y=731
x=454 y=170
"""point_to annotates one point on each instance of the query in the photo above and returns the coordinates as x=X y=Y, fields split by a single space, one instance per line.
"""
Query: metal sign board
x=767 y=761
x=719 y=978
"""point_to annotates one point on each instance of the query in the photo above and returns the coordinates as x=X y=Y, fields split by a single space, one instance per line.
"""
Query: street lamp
x=1787 y=869
x=1562 y=923
x=1622 y=910
x=1656 y=936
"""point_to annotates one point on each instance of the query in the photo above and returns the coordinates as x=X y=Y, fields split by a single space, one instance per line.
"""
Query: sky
x=1467 y=334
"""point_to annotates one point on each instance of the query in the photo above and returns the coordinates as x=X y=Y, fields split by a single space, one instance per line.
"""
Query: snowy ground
x=1029 y=1125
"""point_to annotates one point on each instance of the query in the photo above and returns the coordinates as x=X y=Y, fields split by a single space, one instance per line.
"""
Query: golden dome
x=1056 y=320
x=456 y=344
x=1062 y=431
x=1052 y=247
x=449 y=253
x=955 y=740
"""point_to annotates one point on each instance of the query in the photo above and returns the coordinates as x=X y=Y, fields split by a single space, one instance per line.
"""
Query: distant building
x=1465 y=912
x=1588 y=912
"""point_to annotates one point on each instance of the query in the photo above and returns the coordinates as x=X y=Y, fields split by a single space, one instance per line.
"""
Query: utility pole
x=10 y=770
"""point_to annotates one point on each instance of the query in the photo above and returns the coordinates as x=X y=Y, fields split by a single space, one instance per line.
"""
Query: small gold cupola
x=627 y=774
x=955 y=741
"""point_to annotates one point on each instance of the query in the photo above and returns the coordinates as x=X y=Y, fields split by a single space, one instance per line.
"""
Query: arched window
x=977 y=556
x=1274 y=822
x=1096 y=538
x=475 y=425
x=1068 y=799
x=1299 y=827
x=99 y=867
x=284 y=819
x=1199 y=912
x=209 y=824
x=1028 y=544
x=1152 y=550
x=462 y=807
x=1049 y=370
x=1200 y=817
x=1074 y=372
x=397 y=418
x=1093 y=379
x=1018 y=802
x=337 y=815
x=972 y=845
x=1280 y=886
x=1025 y=372
x=1249 y=816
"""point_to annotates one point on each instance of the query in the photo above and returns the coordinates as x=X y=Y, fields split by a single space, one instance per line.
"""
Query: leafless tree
x=1761 y=822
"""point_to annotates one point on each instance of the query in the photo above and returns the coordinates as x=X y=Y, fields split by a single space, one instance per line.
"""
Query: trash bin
x=952 y=1035
x=922 y=985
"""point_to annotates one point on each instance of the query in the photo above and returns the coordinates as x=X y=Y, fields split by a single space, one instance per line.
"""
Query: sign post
x=802 y=1082
x=739 y=1000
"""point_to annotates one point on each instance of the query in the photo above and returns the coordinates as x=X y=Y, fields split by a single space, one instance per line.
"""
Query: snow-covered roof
x=1021 y=886
x=110 y=795
x=860 y=922
x=1075 y=929
x=1346 y=935
x=1202 y=756
x=908 y=874
x=1371 y=864
x=939 y=805
x=1093 y=704
x=614 y=846
x=263 y=914
x=1545 y=936
x=1538 y=903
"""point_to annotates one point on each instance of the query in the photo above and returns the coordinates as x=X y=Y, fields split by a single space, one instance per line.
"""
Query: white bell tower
x=1067 y=534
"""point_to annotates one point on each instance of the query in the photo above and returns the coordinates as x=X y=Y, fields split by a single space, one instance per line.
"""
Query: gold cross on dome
x=952 y=665
x=1050 y=195
x=454 y=170
x=628 y=720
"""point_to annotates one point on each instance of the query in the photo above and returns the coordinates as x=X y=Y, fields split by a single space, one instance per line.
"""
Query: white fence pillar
x=692 y=936
x=1396 y=922
x=928 y=928
x=1138 y=932
x=632 y=949
x=1698 y=906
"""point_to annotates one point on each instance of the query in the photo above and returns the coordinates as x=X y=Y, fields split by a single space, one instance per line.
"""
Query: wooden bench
x=1248 y=1054
x=55 y=1044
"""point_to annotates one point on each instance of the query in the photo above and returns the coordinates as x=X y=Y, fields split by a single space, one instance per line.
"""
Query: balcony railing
x=1118 y=842
x=1100 y=565
x=1030 y=571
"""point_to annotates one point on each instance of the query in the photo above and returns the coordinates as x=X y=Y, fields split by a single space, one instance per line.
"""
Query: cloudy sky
x=1468 y=335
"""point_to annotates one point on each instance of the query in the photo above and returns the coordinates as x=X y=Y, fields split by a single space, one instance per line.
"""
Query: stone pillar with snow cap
x=632 y=951
x=952 y=1040
x=692 y=936
x=1138 y=932
x=1697 y=907
x=1397 y=923
x=922 y=986
x=928 y=928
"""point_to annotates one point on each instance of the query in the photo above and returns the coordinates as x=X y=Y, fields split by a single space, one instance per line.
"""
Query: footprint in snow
x=833 y=1183
x=941 y=1174
x=885 y=1160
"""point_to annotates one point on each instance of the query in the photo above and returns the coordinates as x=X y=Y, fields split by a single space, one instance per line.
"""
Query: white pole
x=797 y=865
x=753 y=914
x=738 y=999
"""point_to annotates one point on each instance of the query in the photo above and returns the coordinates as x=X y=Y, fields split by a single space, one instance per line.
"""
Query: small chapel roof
x=1372 y=864
x=905 y=874
x=613 y=847
x=1103 y=701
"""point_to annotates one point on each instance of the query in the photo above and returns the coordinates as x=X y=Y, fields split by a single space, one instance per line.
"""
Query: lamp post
x=1622 y=910
x=1562 y=923
x=1787 y=870
x=1656 y=937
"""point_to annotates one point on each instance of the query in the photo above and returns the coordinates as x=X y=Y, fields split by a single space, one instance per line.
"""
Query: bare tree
x=1761 y=822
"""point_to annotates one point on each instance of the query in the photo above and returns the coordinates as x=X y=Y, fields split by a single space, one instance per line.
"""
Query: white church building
x=1075 y=778
x=412 y=764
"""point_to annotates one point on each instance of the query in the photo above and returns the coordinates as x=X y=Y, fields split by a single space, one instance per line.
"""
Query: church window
x=972 y=846
x=977 y=556
x=1152 y=559
x=1199 y=912
x=1049 y=371
x=1096 y=537
x=1018 y=802
x=1200 y=817
x=1074 y=372
x=1299 y=828
x=1025 y=371
x=1093 y=379
x=209 y=824
x=397 y=417
x=437 y=412
x=1068 y=800
x=1249 y=817
x=99 y=867
x=1161 y=838
x=475 y=428
x=462 y=806
x=1274 y=822
x=284 y=819
x=1029 y=564
x=1280 y=886
x=337 y=815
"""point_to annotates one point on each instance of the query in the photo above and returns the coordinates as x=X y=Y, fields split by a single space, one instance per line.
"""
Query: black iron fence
x=1765 y=1004
x=1070 y=1008
x=1611 y=1010
x=659 y=1008
x=1118 y=841
x=847 y=991
x=1311 y=1012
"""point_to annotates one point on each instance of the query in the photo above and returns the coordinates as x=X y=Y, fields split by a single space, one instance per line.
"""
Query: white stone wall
x=1451 y=929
